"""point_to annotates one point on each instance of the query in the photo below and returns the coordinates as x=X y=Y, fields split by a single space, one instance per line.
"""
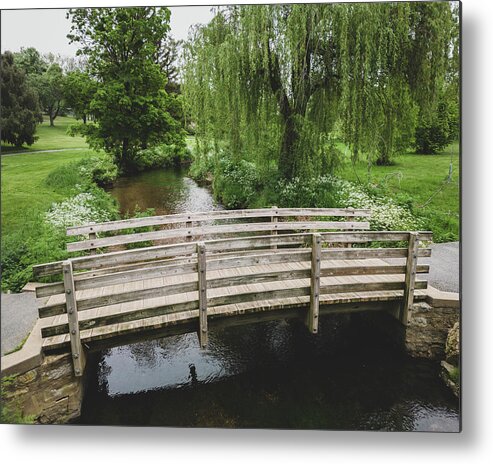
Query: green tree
x=79 y=90
x=50 y=87
x=130 y=105
x=30 y=61
x=20 y=110
x=282 y=80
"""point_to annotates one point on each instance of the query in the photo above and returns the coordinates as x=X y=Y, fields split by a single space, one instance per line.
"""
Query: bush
x=89 y=206
x=21 y=251
x=435 y=133
x=100 y=170
x=236 y=183
x=103 y=170
x=332 y=192
x=161 y=156
x=319 y=192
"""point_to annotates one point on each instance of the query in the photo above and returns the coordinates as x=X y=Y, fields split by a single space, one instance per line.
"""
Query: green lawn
x=51 y=138
x=24 y=192
x=422 y=181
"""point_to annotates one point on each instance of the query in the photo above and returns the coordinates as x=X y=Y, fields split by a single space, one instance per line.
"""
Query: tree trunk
x=84 y=118
x=52 y=119
x=287 y=156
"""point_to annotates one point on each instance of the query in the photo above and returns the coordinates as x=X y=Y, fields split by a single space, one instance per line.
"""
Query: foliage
x=70 y=177
x=30 y=61
x=331 y=192
x=20 y=110
x=438 y=130
x=320 y=192
x=277 y=80
x=131 y=104
x=236 y=184
x=160 y=156
x=83 y=208
x=11 y=414
x=50 y=87
x=79 y=90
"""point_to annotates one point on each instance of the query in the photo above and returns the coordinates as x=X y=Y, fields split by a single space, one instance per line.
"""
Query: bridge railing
x=213 y=224
x=116 y=294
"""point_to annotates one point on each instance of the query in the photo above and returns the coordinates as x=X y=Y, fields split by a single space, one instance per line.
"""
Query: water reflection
x=167 y=191
x=271 y=374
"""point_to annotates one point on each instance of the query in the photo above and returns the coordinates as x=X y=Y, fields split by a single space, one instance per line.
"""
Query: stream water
x=270 y=375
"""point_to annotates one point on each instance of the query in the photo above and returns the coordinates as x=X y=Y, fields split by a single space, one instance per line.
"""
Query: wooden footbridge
x=151 y=277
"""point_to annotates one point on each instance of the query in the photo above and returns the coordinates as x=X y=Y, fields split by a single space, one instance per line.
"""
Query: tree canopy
x=130 y=104
x=20 y=110
x=283 y=81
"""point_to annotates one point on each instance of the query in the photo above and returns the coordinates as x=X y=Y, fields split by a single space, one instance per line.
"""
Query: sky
x=46 y=29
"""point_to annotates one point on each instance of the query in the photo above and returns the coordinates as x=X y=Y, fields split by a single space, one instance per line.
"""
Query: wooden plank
x=410 y=282
x=370 y=270
x=137 y=274
x=211 y=216
x=202 y=288
x=312 y=319
x=213 y=230
x=124 y=297
x=78 y=355
x=371 y=236
x=359 y=253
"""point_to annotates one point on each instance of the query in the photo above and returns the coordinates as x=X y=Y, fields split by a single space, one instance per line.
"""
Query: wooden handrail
x=184 y=218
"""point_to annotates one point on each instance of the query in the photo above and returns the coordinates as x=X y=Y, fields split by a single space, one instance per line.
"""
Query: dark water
x=272 y=374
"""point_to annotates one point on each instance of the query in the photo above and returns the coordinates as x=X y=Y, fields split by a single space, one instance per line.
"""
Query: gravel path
x=19 y=311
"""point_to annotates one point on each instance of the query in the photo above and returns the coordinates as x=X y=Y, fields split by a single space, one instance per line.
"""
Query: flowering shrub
x=330 y=191
x=236 y=184
x=320 y=192
x=77 y=210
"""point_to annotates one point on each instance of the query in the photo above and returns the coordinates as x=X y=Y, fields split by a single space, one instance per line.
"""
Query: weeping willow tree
x=280 y=82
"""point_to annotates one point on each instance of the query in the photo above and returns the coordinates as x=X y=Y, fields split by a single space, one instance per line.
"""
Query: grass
x=25 y=192
x=420 y=181
x=51 y=138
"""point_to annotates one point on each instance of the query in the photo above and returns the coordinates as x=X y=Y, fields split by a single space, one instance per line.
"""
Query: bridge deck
x=125 y=328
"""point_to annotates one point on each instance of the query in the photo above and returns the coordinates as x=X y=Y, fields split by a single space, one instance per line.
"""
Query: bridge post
x=411 y=262
x=201 y=268
x=188 y=225
x=273 y=218
x=312 y=320
x=92 y=236
x=78 y=355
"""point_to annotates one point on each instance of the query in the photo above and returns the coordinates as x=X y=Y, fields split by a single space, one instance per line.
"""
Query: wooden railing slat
x=183 y=218
x=212 y=230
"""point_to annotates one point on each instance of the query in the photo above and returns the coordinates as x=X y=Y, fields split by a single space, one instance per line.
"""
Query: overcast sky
x=47 y=30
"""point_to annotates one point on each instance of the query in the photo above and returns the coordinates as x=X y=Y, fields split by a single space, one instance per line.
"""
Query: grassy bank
x=415 y=186
x=41 y=194
x=421 y=182
x=25 y=192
